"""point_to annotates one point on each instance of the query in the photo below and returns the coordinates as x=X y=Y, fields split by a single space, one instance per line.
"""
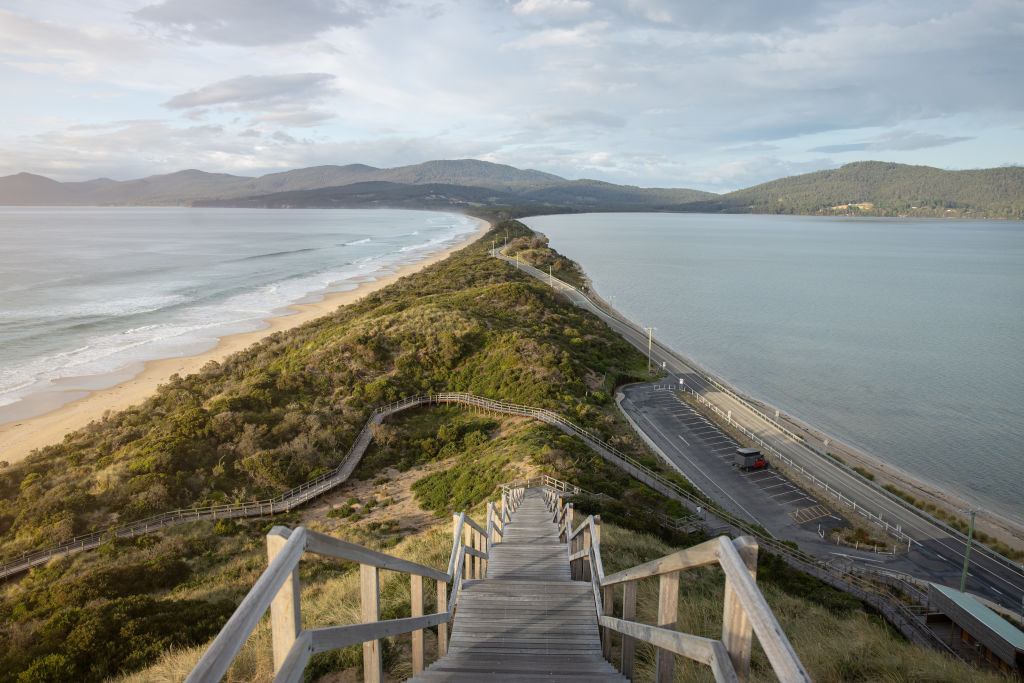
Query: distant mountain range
x=863 y=188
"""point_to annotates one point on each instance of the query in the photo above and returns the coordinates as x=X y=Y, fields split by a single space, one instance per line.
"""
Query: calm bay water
x=901 y=337
x=87 y=293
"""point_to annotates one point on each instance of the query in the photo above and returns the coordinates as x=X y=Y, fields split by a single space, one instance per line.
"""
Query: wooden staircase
x=527 y=599
x=527 y=621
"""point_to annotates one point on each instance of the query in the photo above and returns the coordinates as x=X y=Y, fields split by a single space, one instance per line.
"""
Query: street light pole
x=967 y=553
x=650 y=343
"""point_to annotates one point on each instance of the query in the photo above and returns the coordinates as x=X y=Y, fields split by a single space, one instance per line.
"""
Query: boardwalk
x=527 y=621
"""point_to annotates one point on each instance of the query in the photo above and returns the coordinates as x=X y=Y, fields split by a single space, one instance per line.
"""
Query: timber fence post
x=442 y=628
x=285 y=615
x=668 y=609
x=416 y=598
x=737 y=631
x=373 y=663
x=628 y=614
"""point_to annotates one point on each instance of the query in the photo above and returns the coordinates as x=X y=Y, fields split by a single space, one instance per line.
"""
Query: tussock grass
x=836 y=645
x=330 y=597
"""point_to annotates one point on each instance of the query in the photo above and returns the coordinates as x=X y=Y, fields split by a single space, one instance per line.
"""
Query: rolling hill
x=875 y=188
x=867 y=188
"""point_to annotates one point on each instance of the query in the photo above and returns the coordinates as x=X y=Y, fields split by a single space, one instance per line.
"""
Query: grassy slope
x=835 y=638
x=267 y=419
x=277 y=413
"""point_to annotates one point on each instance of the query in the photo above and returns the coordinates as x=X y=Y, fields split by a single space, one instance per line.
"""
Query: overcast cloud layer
x=677 y=93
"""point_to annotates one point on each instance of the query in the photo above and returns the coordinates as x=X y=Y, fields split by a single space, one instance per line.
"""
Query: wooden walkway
x=527 y=621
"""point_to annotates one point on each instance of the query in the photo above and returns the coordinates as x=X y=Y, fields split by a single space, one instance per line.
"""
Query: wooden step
x=527 y=621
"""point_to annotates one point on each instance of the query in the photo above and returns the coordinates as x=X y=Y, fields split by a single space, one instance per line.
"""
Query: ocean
x=88 y=294
x=901 y=337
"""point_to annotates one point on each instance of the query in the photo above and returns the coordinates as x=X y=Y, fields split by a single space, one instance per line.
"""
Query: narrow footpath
x=527 y=621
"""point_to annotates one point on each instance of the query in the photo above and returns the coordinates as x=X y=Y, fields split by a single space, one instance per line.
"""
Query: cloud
x=734 y=175
x=549 y=7
x=584 y=35
x=257 y=22
x=248 y=92
x=577 y=117
x=731 y=16
x=897 y=140
x=53 y=47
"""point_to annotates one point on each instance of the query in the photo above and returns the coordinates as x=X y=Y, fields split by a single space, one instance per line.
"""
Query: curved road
x=937 y=555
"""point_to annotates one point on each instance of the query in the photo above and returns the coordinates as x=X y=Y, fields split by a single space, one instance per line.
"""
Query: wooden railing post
x=416 y=598
x=442 y=629
x=609 y=610
x=668 y=609
x=628 y=614
x=285 y=615
x=467 y=540
x=369 y=595
x=585 y=560
x=737 y=631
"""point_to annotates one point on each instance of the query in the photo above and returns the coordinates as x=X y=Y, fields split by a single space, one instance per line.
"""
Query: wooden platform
x=527 y=621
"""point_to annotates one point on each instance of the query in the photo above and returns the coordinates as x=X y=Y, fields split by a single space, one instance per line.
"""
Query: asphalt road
x=936 y=556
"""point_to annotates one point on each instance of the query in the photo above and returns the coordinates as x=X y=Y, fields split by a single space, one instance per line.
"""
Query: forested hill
x=866 y=188
x=876 y=188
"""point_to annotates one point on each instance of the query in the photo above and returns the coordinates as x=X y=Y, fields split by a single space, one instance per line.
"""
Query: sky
x=657 y=93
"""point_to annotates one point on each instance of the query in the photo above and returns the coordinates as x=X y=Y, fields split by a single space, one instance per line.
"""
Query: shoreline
x=998 y=526
x=19 y=437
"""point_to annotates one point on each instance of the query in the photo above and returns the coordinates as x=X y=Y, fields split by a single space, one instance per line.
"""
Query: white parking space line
x=787 y=502
x=683 y=440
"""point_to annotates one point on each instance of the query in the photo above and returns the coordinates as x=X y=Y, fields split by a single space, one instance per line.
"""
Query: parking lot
x=703 y=451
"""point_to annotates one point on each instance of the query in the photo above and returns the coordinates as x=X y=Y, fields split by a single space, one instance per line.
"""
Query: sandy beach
x=21 y=437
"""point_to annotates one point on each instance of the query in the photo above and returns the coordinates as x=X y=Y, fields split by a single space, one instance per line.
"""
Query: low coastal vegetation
x=271 y=417
x=836 y=638
x=286 y=409
x=958 y=523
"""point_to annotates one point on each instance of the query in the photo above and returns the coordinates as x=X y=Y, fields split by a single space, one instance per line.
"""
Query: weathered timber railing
x=746 y=611
x=278 y=590
x=851 y=582
x=309 y=490
x=284 y=502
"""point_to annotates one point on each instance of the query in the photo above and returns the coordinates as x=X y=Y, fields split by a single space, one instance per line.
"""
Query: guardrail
x=796 y=470
x=278 y=590
x=556 y=283
x=745 y=613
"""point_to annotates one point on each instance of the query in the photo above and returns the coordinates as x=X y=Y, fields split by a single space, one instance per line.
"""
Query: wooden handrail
x=746 y=611
x=277 y=589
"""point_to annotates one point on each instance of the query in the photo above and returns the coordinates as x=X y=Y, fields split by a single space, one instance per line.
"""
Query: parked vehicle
x=750 y=459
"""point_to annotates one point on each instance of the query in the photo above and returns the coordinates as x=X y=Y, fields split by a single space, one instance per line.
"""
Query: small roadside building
x=976 y=632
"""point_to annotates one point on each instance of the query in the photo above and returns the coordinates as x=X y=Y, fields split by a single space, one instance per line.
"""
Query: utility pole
x=650 y=344
x=967 y=553
x=551 y=278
